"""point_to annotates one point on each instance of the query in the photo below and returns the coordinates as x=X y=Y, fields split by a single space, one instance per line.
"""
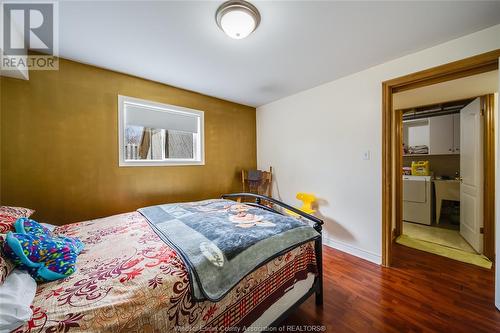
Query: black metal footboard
x=317 y=287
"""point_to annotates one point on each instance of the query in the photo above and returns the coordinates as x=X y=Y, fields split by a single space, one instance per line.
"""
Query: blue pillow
x=44 y=256
x=25 y=225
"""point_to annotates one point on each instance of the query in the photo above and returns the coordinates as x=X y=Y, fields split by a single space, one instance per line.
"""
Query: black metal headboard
x=258 y=203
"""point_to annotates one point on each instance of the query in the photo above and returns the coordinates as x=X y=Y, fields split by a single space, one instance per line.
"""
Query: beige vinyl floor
x=446 y=237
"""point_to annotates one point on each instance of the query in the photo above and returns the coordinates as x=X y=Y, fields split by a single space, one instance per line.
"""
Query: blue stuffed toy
x=46 y=257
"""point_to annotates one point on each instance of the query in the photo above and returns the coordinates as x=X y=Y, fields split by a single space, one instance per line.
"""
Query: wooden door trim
x=488 y=105
x=390 y=194
x=398 y=182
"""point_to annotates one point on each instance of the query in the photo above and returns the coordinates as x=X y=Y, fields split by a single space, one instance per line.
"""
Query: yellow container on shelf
x=420 y=168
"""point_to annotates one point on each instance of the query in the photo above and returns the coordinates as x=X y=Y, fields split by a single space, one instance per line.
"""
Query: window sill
x=141 y=163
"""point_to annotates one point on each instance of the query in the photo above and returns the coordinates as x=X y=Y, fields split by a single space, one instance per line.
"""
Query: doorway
x=443 y=170
x=392 y=188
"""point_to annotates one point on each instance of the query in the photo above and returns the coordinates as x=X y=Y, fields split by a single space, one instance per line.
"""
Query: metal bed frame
x=317 y=287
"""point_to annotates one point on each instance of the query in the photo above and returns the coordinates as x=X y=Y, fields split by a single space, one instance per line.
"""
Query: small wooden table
x=445 y=190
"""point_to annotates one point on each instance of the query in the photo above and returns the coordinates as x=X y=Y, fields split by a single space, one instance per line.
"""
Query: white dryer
x=417 y=199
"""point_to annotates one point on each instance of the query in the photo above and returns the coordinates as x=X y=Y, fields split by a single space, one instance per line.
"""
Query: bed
x=128 y=279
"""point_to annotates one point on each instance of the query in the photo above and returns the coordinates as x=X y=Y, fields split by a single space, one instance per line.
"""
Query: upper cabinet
x=441 y=134
x=416 y=132
x=456 y=133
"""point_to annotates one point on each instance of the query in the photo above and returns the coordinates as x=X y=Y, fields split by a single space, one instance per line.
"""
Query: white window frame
x=160 y=107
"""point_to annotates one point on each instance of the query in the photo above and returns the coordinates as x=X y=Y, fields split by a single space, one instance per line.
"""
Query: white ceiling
x=299 y=44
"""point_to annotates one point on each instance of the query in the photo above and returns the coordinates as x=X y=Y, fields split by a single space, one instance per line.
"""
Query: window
x=158 y=134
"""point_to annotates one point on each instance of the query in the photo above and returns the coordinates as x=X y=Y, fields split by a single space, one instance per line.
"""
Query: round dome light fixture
x=237 y=18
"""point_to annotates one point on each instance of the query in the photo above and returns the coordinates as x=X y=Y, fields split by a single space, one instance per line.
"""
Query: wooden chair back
x=263 y=185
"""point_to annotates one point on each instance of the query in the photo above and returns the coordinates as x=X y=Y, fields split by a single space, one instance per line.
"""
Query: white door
x=471 y=172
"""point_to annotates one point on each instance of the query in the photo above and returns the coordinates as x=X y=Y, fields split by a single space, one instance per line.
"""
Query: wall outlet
x=366 y=155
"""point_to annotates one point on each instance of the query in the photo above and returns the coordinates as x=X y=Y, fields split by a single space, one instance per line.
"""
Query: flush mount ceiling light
x=237 y=18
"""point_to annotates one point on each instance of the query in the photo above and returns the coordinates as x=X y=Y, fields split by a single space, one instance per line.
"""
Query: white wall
x=470 y=86
x=315 y=141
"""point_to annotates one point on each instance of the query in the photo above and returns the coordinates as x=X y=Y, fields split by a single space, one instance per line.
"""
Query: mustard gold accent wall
x=59 y=145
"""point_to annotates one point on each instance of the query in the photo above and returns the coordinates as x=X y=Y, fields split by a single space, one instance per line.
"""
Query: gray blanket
x=222 y=241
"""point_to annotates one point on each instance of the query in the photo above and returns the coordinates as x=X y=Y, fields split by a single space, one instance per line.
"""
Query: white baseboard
x=355 y=251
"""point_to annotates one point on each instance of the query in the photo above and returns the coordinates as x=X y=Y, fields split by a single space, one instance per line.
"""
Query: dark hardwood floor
x=422 y=292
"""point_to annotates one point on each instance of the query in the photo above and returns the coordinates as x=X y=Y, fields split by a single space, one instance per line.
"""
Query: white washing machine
x=417 y=199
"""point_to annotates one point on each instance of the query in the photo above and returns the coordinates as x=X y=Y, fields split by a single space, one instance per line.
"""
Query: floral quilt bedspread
x=128 y=280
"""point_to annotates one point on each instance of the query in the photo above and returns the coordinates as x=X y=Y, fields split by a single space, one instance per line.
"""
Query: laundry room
x=431 y=152
x=447 y=150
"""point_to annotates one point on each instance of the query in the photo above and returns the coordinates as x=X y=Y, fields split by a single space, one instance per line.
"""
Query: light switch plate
x=366 y=155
